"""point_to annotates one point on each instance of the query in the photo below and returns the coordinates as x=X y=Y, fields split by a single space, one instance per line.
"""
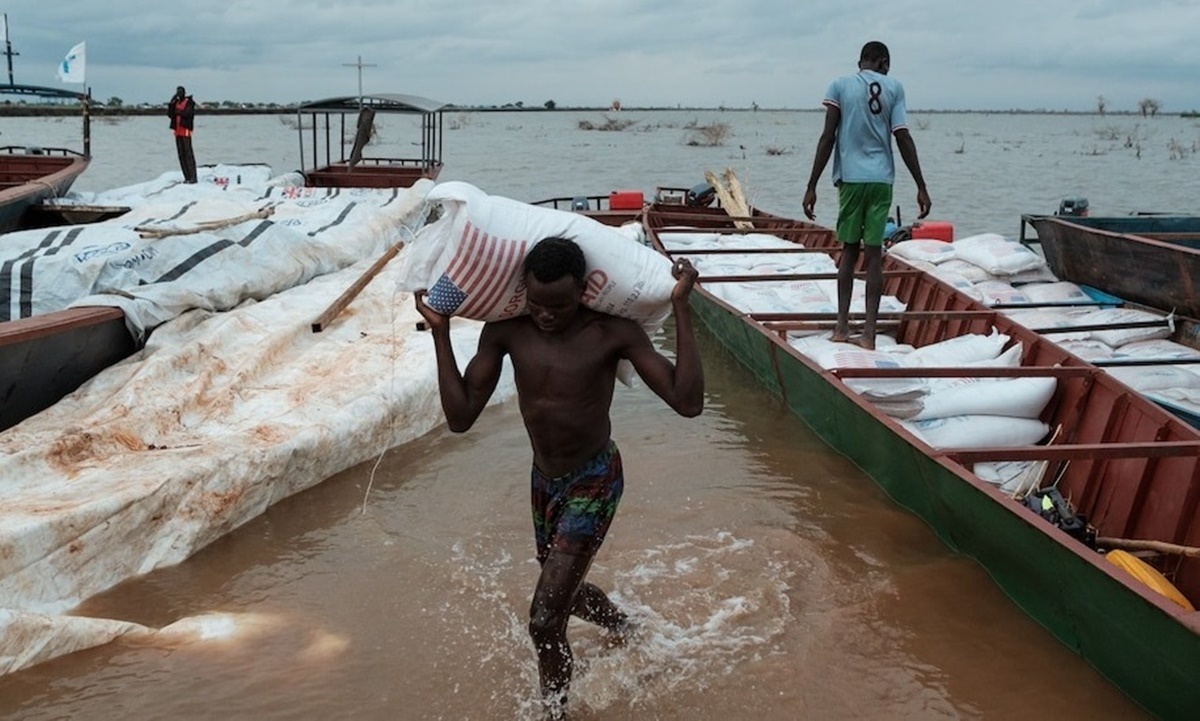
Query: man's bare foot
x=622 y=634
x=840 y=336
x=864 y=343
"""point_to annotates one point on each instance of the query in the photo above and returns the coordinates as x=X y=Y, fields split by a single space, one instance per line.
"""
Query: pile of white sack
x=763 y=296
x=952 y=413
x=996 y=270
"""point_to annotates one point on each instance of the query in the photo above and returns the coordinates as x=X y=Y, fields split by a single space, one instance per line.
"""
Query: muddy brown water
x=772 y=580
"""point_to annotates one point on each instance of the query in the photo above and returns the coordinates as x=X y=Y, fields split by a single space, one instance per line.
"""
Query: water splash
x=701 y=615
x=703 y=606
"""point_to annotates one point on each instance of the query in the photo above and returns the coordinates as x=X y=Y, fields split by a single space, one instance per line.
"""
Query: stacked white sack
x=949 y=412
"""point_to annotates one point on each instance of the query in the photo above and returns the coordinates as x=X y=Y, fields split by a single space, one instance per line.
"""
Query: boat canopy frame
x=322 y=114
x=49 y=93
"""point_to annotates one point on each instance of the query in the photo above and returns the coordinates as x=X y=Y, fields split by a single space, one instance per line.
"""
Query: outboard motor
x=1077 y=207
x=580 y=202
x=700 y=196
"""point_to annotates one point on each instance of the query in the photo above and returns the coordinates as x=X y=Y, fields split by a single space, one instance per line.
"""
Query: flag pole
x=87 y=120
x=87 y=107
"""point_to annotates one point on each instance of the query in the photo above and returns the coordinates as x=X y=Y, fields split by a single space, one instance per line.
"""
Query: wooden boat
x=30 y=174
x=1149 y=259
x=1128 y=466
x=45 y=357
x=322 y=124
x=49 y=214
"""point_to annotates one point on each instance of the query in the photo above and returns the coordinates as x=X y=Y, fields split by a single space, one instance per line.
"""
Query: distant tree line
x=1148 y=107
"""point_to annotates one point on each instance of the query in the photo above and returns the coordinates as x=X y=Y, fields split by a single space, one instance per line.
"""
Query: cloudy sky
x=950 y=54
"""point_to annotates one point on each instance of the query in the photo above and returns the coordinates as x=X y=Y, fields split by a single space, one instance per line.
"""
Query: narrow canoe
x=1149 y=259
x=1129 y=466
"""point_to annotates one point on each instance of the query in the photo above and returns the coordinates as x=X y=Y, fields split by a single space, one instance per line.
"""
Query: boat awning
x=379 y=102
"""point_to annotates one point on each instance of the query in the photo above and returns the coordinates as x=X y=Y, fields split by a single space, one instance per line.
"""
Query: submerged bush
x=708 y=136
x=609 y=124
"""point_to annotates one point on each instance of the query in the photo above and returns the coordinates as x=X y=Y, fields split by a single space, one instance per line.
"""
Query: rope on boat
x=149 y=231
x=53 y=190
x=366 y=278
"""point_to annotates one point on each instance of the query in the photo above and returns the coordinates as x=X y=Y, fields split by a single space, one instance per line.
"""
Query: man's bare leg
x=845 y=288
x=594 y=606
x=873 y=259
x=554 y=600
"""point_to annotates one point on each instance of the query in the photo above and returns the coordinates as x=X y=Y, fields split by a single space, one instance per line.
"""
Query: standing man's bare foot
x=840 y=336
x=865 y=343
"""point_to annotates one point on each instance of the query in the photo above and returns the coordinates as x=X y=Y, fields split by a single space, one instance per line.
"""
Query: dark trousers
x=187 y=161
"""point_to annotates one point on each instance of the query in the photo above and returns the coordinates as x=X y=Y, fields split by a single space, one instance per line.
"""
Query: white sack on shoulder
x=470 y=259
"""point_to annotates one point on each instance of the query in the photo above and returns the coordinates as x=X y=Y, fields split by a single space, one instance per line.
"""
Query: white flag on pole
x=73 y=68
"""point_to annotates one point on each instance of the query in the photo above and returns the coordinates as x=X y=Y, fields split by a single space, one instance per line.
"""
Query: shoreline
x=24 y=110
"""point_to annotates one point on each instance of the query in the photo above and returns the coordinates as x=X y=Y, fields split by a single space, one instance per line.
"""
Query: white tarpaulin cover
x=181 y=247
x=219 y=416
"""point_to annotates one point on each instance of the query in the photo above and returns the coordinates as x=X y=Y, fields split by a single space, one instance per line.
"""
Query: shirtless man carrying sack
x=564 y=357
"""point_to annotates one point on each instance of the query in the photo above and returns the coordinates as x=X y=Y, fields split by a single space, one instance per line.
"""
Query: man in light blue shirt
x=862 y=113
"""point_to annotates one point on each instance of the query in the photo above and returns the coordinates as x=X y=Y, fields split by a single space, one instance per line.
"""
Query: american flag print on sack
x=482 y=268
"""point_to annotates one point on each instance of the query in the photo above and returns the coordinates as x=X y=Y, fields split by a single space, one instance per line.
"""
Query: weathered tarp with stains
x=220 y=416
x=222 y=413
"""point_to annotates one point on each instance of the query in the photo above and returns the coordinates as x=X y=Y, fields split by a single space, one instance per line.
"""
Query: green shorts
x=863 y=212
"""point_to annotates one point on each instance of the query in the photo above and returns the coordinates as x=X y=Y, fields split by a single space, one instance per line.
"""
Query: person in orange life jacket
x=182 y=109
